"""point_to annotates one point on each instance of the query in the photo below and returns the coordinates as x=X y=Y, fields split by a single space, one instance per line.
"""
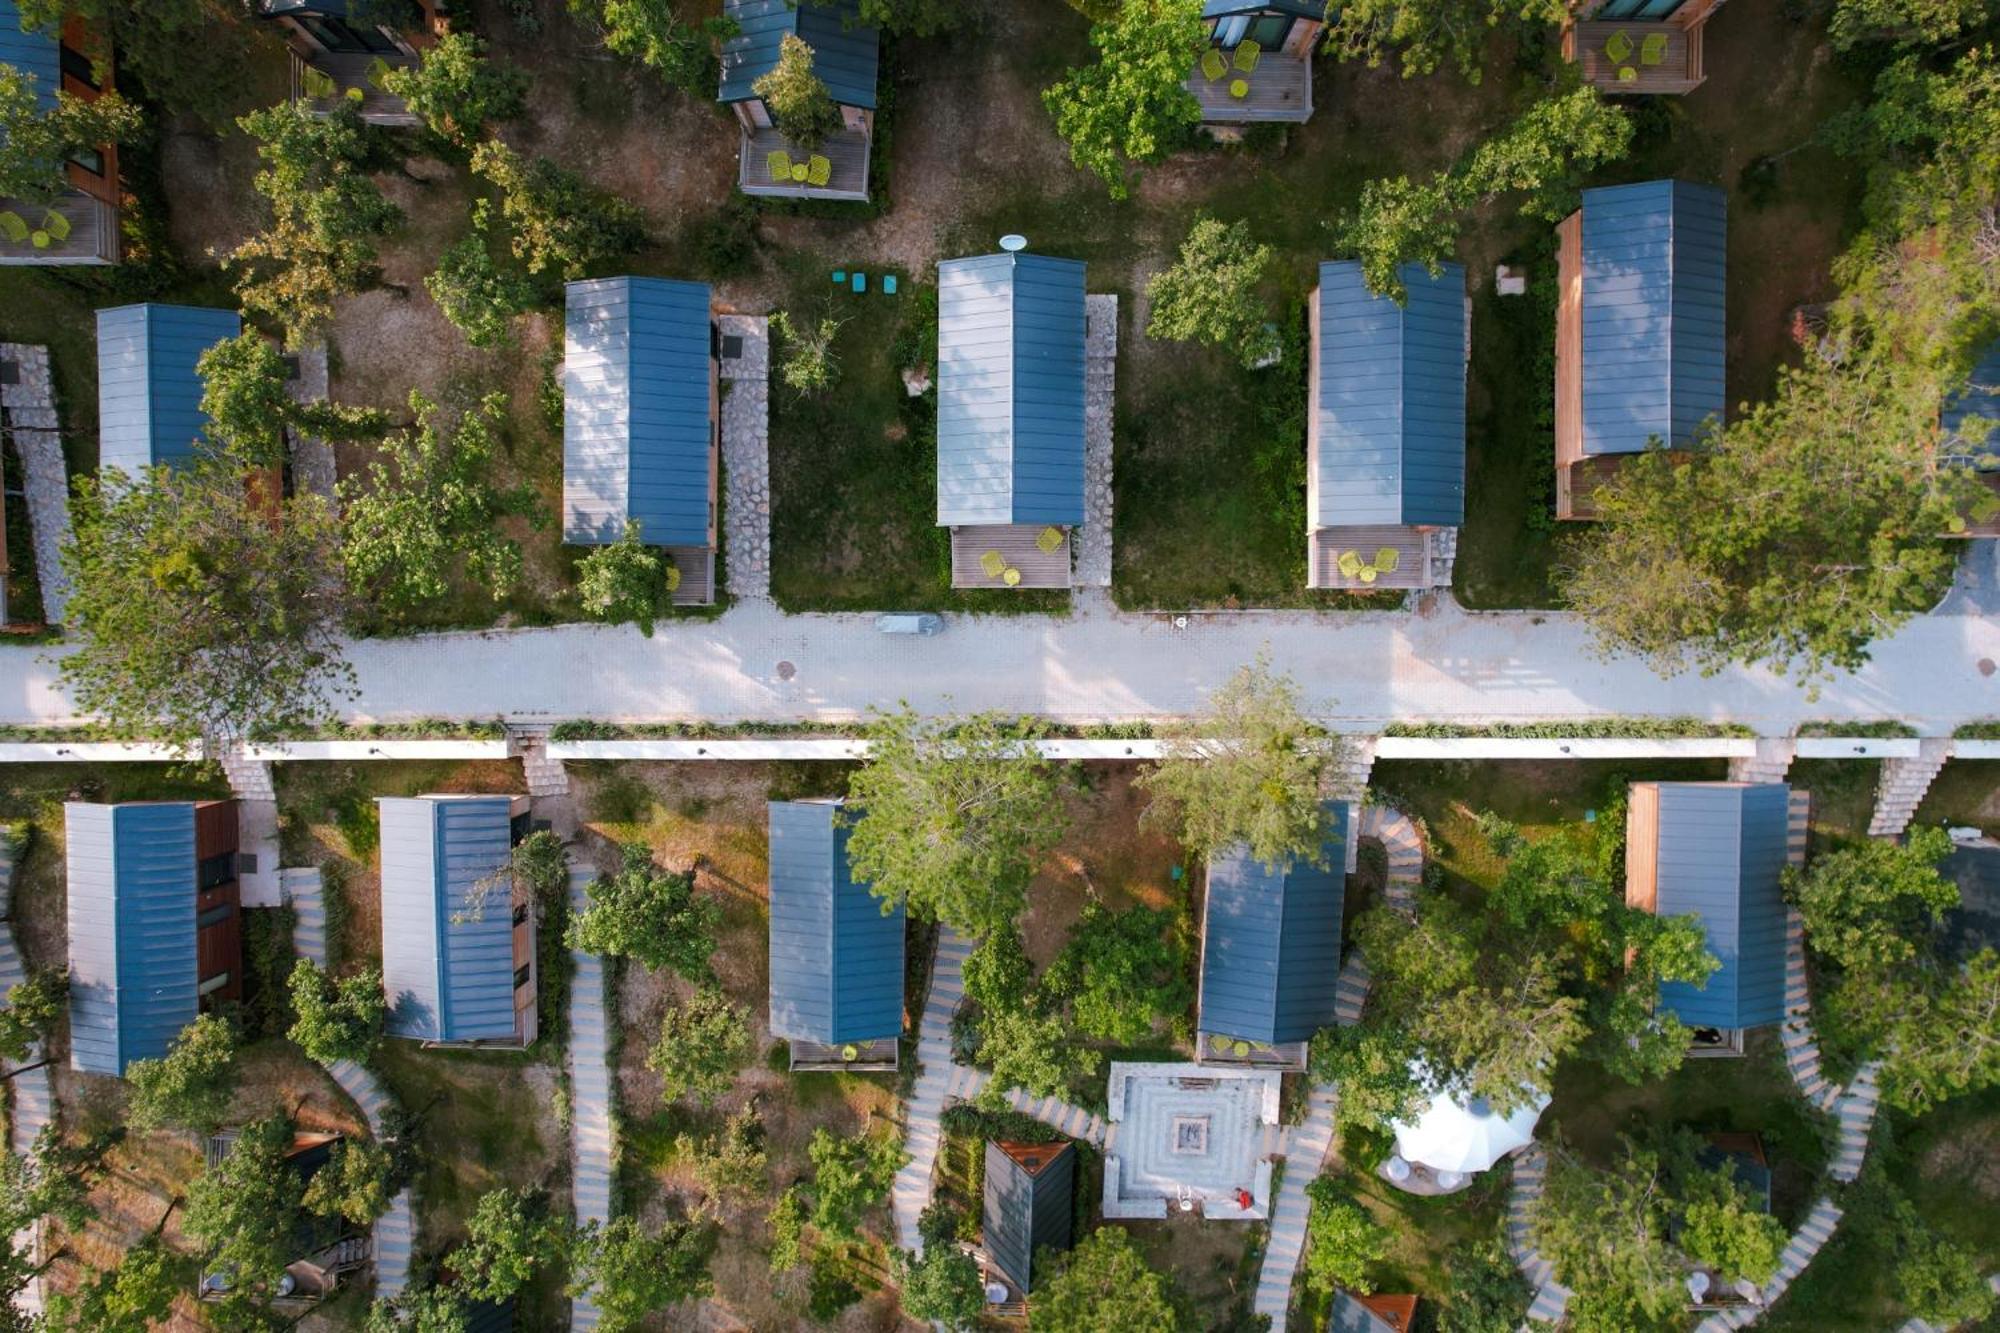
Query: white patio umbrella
x=1466 y=1134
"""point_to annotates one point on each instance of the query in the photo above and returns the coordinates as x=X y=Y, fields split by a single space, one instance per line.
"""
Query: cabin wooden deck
x=1411 y=545
x=1281 y=89
x=1016 y=544
x=93 y=231
x=877 y=1056
x=350 y=72
x=1679 y=71
x=847 y=150
x=1577 y=483
x=697 y=567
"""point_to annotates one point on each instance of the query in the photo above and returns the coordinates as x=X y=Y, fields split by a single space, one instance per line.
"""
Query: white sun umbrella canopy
x=1466 y=1134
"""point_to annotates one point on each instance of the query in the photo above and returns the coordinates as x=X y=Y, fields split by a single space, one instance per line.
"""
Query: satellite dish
x=1013 y=242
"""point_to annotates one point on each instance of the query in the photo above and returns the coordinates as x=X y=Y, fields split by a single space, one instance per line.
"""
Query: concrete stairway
x=1855 y=1112
x=1398 y=837
x=966 y=1083
x=529 y=744
x=593 y=1147
x=1531 y=1170
x=249 y=779
x=922 y=1134
x=1904 y=782
x=1350 y=995
x=1802 y=1056
x=1770 y=764
x=1346 y=779
x=1305 y=1157
x=304 y=891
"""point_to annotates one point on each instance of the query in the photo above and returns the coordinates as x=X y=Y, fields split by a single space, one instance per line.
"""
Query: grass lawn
x=1843 y=797
x=1965 y=794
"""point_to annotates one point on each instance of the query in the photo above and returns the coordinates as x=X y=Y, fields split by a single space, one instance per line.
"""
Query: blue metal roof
x=37 y=53
x=148 y=389
x=1304 y=9
x=638 y=411
x=1391 y=391
x=1980 y=398
x=1653 y=313
x=836 y=957
x=132 y=958
x=448 y=946
x=1027 y=1207
x=1721 y=855
x=1010 y=390
x=1270 y=949
x=845 y=52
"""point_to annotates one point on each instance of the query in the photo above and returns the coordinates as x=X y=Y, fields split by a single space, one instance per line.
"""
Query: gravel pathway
x=746 y=459
x=30 y=407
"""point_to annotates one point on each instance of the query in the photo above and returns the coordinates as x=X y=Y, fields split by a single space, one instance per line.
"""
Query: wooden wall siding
x=1281 y=89
x=1016 y=544
x=847 y=150
x=215 y=828
x=1680 y=71
x=1569 y=354
x=219 y=948
x=1642 y=846
x=1411 y=544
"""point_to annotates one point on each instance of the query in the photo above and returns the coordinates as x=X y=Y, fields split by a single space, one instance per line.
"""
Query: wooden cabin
x=1640 y=329
x=80 y=224
x=341 y=48
x=1970 y=420
x=155 y=927
x=1385 y=429
x=1257 y=66
x=1379 y=1313
x=846 y=57
x=1028 y=1212
x=1639 y=47
x=642 y=422
x=330 y=1249
x=1010 y=430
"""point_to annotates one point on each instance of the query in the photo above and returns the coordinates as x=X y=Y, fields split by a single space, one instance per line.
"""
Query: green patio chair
x=1618 y=47
x=1388 y=559
x=1213 y=66
x=779 y=163
x=819 y=170
x=1050 y=541
x=1626 y=74
x=56 y=225
x=1246 y=56
x=1012 y=577
x=13 y=226
x=317 y=83
x=1349 y=564
x=378 y=74
x=673 y=579
x=1653 y=50
x=994 y=563
x=1239 y=88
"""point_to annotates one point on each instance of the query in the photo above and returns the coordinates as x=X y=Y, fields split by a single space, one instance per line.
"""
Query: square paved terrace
x=1184 y=1133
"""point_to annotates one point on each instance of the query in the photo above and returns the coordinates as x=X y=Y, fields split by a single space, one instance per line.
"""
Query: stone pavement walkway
x=30 y=406
x=1100 y=359
x=746 y=459
x=593 y=1147
x=395 y=1230
x=1531 y=1171
x=1306 y=1148
x=1360 y=671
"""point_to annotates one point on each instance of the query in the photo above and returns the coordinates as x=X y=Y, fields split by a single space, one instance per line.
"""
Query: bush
x=1342 y=1242
x=626 y=582
x=457 y=91
x=561 y=224
x=473 y=291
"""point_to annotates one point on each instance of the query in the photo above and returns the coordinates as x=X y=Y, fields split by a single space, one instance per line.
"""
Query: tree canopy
x=337 y=1019
x=648 y=31
x=458 y=91
x=511 y=1236
x=941 y=1287
x=1212 y=293
x=949 y=819
x=561 y=224
x=249 y=408
x=1866 y=905
x=1017 y=1027
x=648 y=914
x=188 y=55
x=1121 y=972
x=36 y=144
x=1104 y=1285
x=1343 y=1244
x=1427 y=33
x=1131 y=107
x=703 y=1041
x=626 y=582
x=851 y=1174
x=243 y=1211
x=630 y=1272
x=797 y=98
x=473 y=290
x=190 y=1087
x=33 y=1006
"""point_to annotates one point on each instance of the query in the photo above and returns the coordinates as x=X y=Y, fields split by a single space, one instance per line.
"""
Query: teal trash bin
x=861 y=282
x=888 y=284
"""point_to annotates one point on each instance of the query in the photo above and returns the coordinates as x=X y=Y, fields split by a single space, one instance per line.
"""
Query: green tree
x=1865 y=906
x=703 y=1041
x=1121 y=972
x=810 y=364
x=1904 y=22
x=33 y=1006
x=456 y=90
x=787 y=1221
x=188 y=55
x=561 y=224
x=53 y=1179
x=1429 y=33
x=1605 y=1233
x=626 y=582
x=630 y=1272
x=1484 y=1292
x=426 y=509
x=134 y=1297
x=511 y=1236
x=800 y=106
x=1246 y=770
x=911 y=18
x=326 y=215
x=649 y=914
x=1104 y=1285
x=648 y=31
x=1938 y=1279
x=1540 y=160
x=1943 y=1035
x=1724 y=1228
x=195 y=616
x=941 y=1286
x=1132 y=107
x=1342 y=1242
x=1019 y=1035
x=337 y=1019
x=191 y=1086
x=473 y=291
x=426 y=1308
x=1212 y=294
x=357 y=1182
x=952 y=818
x=851 y=1174
x=1372 y=1065
x=244 y=1210
x=729 y=1165
x=36 y=144
x=249 y=408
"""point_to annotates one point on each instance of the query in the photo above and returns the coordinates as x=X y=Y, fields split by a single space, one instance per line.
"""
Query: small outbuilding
x=846 y=54
x=155 y=925
x=341 y=49
x=1379 y=1313
x=642 y=421
x=1030 y=1208
x=80 y=224
x=149 y=384
x=836 y=956
x=458 y=934
x=1257 y=65
x=1270 y=951
x=1385 y=429
x=1640 y=329
x=329 y=1250
x=1717 y=851
x=1010 y=428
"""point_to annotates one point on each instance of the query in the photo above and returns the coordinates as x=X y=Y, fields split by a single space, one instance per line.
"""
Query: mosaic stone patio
x=1187 y=1137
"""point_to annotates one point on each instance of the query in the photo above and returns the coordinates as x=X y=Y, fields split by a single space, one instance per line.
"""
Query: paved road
x=1358 y=670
